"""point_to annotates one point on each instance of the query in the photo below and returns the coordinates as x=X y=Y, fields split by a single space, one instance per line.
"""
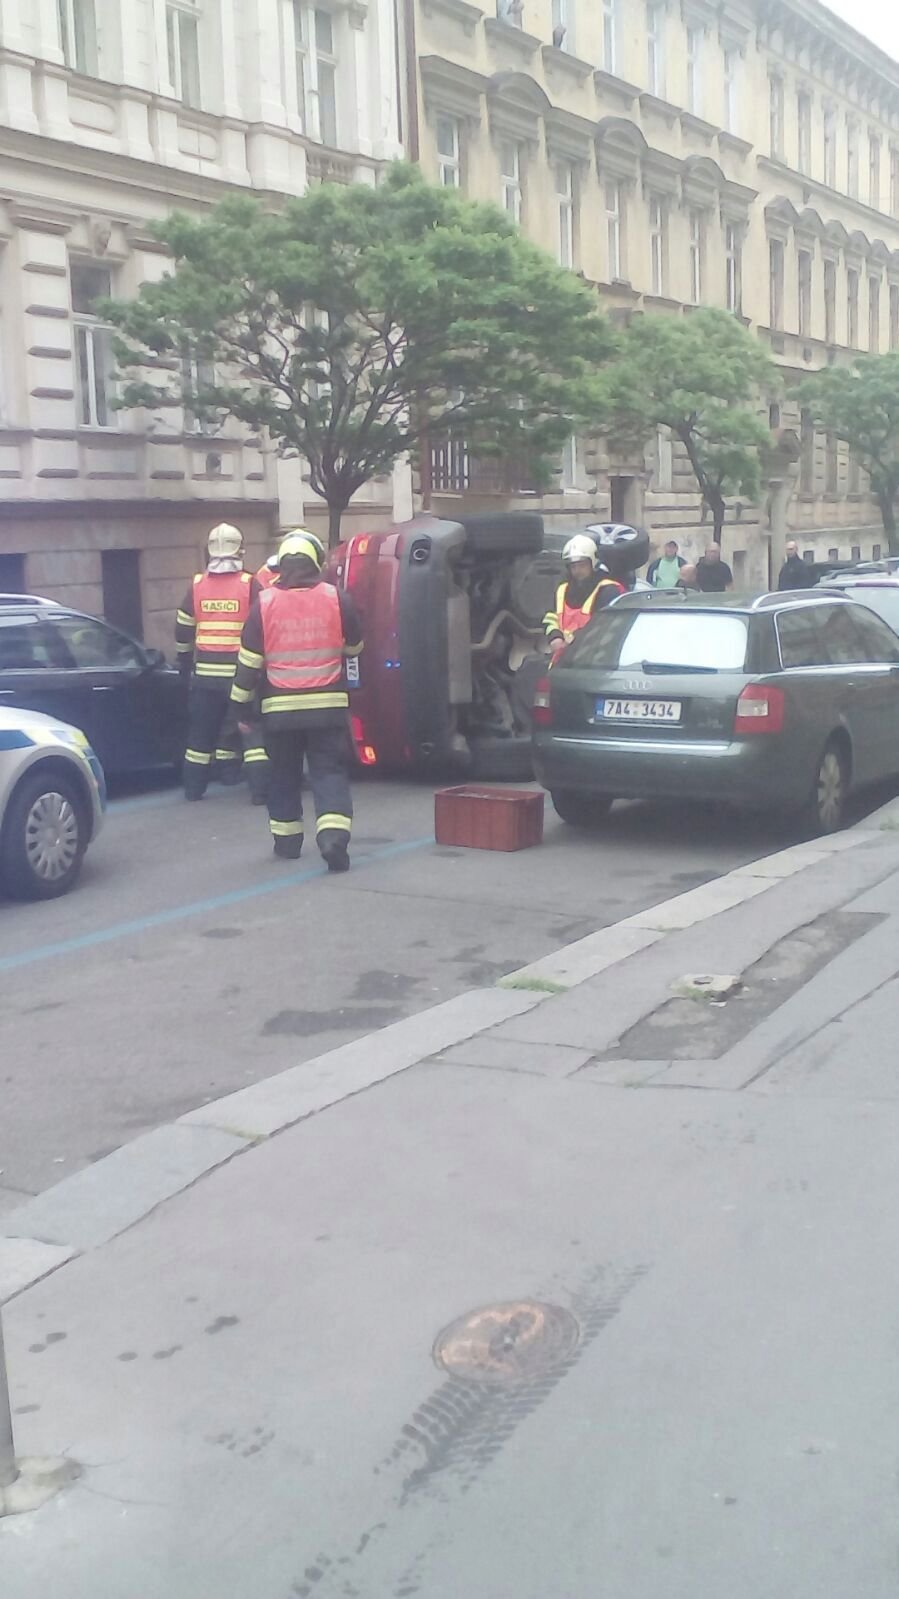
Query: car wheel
x=827 y=804
x=45 y=835
x=581 y=810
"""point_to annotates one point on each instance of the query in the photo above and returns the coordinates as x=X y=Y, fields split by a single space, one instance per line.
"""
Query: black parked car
x=781 y=704
x=125 y=698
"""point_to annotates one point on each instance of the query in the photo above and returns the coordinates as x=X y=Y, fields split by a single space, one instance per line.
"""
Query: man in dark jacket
x=795 y=572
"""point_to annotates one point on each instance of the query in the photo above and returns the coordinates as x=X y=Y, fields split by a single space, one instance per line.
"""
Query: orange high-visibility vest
x=302 y=632
x=221 y=606
x=573 y=617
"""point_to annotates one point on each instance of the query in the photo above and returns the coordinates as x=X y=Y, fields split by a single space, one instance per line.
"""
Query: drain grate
x=507 y=1343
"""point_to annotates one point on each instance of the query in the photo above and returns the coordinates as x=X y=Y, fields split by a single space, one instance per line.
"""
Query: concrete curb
x=92 y=1206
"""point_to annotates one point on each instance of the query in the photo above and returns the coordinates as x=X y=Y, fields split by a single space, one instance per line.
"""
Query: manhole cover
x=507 y=1343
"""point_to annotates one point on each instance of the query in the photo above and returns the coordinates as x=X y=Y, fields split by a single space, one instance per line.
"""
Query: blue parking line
x=199 y=907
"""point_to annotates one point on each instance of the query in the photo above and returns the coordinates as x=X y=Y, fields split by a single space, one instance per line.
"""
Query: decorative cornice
x=606 y=83
x=565 y=64
x=460 y=11
x=505 y=36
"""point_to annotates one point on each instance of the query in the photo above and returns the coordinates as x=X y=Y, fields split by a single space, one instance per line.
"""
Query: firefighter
x=587 y=588
x=268 y=572
x=293 y=647
x=207 y=639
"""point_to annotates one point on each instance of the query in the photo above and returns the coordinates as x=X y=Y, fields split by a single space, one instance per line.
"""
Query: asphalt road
x=189 y=962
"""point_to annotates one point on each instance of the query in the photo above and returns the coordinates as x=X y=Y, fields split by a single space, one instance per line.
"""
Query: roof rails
x=767 y=602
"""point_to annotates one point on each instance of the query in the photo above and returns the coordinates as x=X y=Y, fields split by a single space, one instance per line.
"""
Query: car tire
x=45 y=834
x=826 y=807
x=501 y=534
x=501 y=759
x=581 y=810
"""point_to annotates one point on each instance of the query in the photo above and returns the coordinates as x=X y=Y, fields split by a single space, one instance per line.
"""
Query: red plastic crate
x=488 y=818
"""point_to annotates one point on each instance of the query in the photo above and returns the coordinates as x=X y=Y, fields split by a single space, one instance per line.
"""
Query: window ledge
x=505 y=33
x=621 y=287
x=461 y=11
x=564 y=61
x=731 y=141
x=691 y=123
x=609 y=83
x=659 y=108
x=663 y=301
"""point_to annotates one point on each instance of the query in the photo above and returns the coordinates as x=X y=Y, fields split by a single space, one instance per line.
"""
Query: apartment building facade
x=112 y=114
x=736 y=153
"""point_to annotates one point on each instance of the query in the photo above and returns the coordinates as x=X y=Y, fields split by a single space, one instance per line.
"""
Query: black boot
x=288 y=849
x=335 y=853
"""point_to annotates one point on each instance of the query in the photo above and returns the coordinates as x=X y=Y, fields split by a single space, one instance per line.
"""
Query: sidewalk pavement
x=230 y=1323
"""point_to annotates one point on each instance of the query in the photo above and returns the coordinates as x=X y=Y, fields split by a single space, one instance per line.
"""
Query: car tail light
x=356 y=549
x=760 y=709
x=541 y=709
x=368 y=755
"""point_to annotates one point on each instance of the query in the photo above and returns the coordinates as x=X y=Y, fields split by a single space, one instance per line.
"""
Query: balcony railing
x=454 y=470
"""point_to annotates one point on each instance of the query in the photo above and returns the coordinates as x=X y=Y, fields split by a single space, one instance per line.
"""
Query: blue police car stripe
x=14 y=739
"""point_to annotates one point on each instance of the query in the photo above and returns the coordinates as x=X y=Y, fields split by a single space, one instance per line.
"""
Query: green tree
x=700 y=377
x=355 y=319
x=860 y=404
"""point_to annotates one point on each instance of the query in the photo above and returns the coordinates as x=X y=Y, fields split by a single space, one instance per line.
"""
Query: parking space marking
x=199 y=907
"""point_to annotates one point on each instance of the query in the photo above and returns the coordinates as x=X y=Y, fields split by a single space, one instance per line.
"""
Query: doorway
x=12 y=574
x=624 y=500
x=122 y=603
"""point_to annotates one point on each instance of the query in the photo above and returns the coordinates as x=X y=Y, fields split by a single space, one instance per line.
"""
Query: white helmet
x=273 y=563
x=224 y=541
x=580 y=548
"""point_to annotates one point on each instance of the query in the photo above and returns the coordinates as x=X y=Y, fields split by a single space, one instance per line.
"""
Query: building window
x=774 y=416
x=806 y=452
x=852 y=157
x=874 y=171
x=696 y=242
x=875 y=552
x=562 y=30
x=657 y=249
x=852 y=308
x=78 y=35
x=855 y=552
x=182 y=32
x=694 y=69
x=894 y=183
x=894 y=316
x=733 y=264
x=655 y=49
x=612 y=199
x=804 y=261
x=569 y=470
x=565 y=182
x=664 y=462
x=874 y=315
x=853 y=476
x=830 y=301
x=610 y=35
x=449 y=153
x=316 y=72
x=93 y=345
x=776 y=116
x=830 y=147
x=196 y=375
x=776 y=283
x=830 y=463
x=731 y=89
x=510 y=178
x=12 y=574
x=804 y=127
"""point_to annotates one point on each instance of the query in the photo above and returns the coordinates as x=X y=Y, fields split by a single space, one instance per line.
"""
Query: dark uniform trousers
x=326 y=751
x=213 y=737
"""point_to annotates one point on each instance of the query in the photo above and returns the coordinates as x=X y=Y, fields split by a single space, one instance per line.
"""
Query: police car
x=52 y=799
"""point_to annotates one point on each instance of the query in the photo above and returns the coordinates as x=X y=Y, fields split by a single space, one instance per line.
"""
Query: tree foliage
x=354 y=317
x=700 y=377
x=860 y=405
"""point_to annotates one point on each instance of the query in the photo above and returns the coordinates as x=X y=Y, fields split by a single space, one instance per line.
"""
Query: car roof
x=30 y=604
x=860 y=580
x=28 y=599
x=745 y=603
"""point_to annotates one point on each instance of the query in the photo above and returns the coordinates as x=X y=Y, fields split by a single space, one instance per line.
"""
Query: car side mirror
x=154 y=660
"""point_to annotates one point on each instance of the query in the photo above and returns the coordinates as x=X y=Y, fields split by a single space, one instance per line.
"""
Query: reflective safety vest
x=302 y=631
x=571 y=618
x=221 y=606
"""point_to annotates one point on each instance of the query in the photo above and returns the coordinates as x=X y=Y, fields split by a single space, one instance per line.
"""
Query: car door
x=864 y=689
x=878 y=677
x=116 y=677
x=34 y=670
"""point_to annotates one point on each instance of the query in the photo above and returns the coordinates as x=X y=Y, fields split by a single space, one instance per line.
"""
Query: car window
x=26 y=645
x=94 y=646
x=880 y=599
x=670 y=638
x=800 y=638
x=841 y=640
x=879 y=642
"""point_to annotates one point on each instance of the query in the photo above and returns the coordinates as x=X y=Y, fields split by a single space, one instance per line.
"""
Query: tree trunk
x=887 y=505
x=335 y=512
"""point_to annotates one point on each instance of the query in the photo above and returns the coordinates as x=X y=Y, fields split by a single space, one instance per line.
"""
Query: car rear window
x=689 y=639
